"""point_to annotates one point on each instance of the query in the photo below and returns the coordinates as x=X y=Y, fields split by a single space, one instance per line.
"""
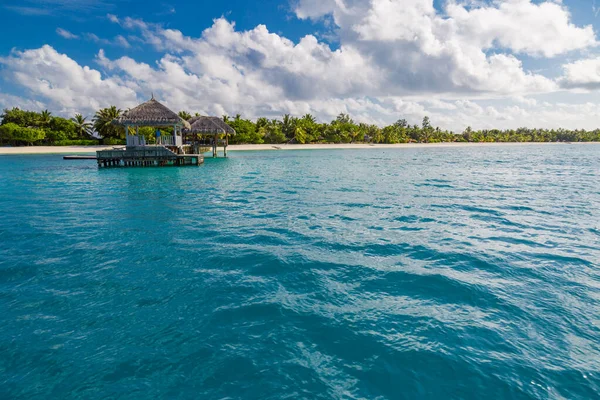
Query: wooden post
x=225 y=145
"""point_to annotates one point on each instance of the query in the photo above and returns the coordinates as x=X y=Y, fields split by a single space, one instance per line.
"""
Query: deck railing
x=207 y=142
x=147 y=152
x=168 y=140
x=133 y=140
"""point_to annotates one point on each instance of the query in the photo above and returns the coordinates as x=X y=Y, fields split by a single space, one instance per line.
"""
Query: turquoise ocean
x=423 y=273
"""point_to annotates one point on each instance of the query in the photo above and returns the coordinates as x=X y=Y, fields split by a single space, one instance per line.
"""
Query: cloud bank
x=396 y=59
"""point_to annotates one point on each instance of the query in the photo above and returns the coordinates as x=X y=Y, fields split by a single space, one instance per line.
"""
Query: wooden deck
x=146 y=156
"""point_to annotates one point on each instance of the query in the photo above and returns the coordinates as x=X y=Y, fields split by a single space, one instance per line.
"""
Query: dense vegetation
x=20 y=127
x=344 y=130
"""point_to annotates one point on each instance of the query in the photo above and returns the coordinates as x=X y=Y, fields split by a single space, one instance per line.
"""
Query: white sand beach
x=256 y=147
x=341 y=146
x=52 y=149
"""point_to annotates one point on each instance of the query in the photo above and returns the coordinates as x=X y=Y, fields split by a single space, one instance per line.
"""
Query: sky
x=481 y=63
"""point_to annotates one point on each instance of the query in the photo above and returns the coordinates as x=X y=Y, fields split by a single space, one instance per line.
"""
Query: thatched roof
x=209 y=125
x=151 y=113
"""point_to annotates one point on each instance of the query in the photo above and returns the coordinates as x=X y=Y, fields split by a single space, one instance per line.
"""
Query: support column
x=225 y=145
x=175 y=137
x=127 y=135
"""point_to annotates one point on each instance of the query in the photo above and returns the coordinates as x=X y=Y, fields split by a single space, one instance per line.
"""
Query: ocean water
x=431 y=273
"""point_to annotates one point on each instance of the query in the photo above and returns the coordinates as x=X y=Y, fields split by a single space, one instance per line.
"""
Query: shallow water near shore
x=401 y=273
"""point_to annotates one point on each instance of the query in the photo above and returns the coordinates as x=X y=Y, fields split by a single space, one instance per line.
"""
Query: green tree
x=8 y=132
x=288 y=126
x=83 y=128
x=15 y=134
x=30 y=136
x=20 y=117
x=103 y=123
x=185 y=115
x=44 y=118
x=66 y=126
x=426 y=131
x=273 y=133
x=246 y=131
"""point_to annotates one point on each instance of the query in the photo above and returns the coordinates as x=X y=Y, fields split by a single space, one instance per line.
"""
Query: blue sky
x=30 y=24
x=483 y=63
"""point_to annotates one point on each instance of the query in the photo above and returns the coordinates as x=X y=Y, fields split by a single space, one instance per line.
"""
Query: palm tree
x=288 y=126
x=309 y=118
x=300 y=135
x=45 y=118
x=184 y=115
x=82 y=127
x=103 y=122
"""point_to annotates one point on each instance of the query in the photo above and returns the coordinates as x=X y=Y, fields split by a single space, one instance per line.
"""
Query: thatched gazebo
x=153 y=114
x=206 y=130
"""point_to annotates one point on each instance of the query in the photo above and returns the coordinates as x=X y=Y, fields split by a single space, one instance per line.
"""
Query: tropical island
x=30 y=128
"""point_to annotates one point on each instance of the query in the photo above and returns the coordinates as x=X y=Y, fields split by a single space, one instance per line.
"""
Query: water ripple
x=413 y=273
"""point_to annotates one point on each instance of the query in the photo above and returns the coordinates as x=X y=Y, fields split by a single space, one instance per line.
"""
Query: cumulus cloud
x=582 y=74
x=426 y=50
x=10 y=101
x=521 y=26
x=312 y=68
x=395 y=59
x=542 y=29
x=63 y=83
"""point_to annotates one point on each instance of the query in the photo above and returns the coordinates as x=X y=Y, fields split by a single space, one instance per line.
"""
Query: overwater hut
x=168 y=149
x=208 y=131
x=153 y=114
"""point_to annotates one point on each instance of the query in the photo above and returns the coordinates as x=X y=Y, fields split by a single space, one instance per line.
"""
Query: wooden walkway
x=145 y=156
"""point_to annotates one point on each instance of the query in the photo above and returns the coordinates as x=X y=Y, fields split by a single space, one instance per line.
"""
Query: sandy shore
x=251 y=147
x=255 y=147
x=52 y=149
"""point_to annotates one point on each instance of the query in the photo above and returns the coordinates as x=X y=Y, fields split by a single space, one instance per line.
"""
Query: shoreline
x=273 y=147
x=354 y=146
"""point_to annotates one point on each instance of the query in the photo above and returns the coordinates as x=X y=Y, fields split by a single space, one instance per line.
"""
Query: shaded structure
x=153 y=114
x=168 y=149
x=208 y=132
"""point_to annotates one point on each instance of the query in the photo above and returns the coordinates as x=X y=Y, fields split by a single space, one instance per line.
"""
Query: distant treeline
x=344 y=130
x=19 y=127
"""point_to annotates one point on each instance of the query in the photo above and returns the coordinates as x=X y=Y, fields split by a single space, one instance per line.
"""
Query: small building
x=167 y=149
x=210 y=132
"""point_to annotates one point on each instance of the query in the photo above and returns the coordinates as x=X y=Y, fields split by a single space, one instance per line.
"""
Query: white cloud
x=112 y=18
x=63 y=83
x=583 y=74
x=396 y=59
x=542 y=29
x=10 y=101
x=522 y=26
x=66 y=34
x=525 y=101
x=118 y=40
x=420 y=50
x=121 y=41
x=55 y=7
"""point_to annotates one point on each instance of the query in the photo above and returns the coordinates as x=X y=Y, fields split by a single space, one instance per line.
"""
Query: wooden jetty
x=185 y=146
x=146 y=156
x=79 y=157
